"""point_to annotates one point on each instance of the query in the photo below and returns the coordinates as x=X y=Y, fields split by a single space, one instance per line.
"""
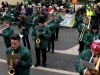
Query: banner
x=68 y=20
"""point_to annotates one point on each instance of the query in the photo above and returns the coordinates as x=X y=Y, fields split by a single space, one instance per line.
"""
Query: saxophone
x=4 y=14
x=38 y=40
x=11 y=70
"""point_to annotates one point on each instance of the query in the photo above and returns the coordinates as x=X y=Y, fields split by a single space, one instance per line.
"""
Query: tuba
x=11 y=70
x=38 y=40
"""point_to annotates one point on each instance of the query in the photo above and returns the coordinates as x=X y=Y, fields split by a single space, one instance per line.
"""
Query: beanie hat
x=41 y=20
x=94 y=27
x=96 y=45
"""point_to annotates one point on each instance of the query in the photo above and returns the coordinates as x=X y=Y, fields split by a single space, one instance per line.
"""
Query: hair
x=15 y=37
x=23 y=19
x=7 y=22
x=51 y=15
x=86 y=18
x=37 y=10
x=55 y=9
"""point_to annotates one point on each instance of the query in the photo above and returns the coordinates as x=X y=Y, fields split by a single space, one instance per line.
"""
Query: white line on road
x=48 y=69
x=72 y=51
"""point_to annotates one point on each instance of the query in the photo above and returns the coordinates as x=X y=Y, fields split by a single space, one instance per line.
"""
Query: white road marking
x=48 y=69
x=72 y=51
x=56 y=71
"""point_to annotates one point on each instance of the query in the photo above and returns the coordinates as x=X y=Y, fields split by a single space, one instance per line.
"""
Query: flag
x=74 y=1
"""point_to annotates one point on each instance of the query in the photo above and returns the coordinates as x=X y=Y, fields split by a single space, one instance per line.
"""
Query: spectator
x=29 y=10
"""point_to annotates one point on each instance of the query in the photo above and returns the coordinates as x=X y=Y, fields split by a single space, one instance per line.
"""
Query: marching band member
x=24 y=62
x=41 y=35
x=89 y=55
x=58 y=18
x=24 y=27
x=35 y=18
x=82 y=32
x=91 y=36
x=6 y=15
x=6 y=33
x=52 y=24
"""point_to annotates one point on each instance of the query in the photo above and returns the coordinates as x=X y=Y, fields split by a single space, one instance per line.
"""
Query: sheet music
x=85 y=26
x=87 y=64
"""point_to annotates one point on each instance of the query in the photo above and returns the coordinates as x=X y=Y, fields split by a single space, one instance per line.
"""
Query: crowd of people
x=45 y=29
x=45 y=23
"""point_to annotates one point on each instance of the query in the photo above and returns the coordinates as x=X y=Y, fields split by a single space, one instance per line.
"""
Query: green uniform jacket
x=52 y=25
x=26 y=60
x=89 y=38
x=7 y=17
x=79 y=18
x=86 y=56
x=27 y=27
x=45 y=39
x=7 y=34
x=37 y=16
x=81 y=31
x=60 y=19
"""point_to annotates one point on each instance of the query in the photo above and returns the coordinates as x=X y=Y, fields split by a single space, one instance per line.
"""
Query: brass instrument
x=63 y=11
x=88 y=29
x=4 y=14
x=82 y=34
x=96 y=69
x=11 y=70
x=89 y=61
x=85 y=29
x=38 y=40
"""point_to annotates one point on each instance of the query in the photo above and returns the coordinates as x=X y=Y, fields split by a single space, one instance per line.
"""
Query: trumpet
x=38 y=40
x=4 y=14
x=11 y=70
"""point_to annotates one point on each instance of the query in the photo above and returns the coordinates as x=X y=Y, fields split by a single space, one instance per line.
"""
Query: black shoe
x=36 y=64
x=48 y=51
x=56 y=39
x=52 y=52
x=44 y=65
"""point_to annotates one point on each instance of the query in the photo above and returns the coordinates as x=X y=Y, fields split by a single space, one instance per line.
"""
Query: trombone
x=84 y=29
x=89 y=61
x=95 y=70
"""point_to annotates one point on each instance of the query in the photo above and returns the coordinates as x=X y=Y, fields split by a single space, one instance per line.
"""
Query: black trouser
x=26 y=40
x=57 y=32
x=81 y=46
x=37 y=50
x=51 y=41
x=8 y=46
